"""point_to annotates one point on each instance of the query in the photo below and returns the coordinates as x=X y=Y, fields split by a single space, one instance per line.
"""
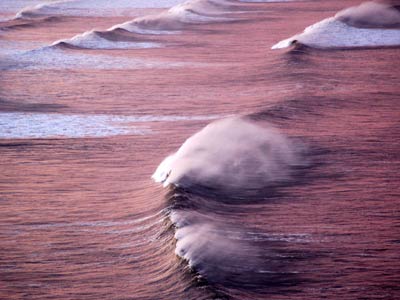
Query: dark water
x=83 y=130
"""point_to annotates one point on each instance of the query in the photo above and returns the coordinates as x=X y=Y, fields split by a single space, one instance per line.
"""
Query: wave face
x=232 y=153
x=367 y=25
x=225 y=253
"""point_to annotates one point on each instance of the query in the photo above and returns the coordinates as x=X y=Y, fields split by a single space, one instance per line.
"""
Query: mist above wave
x=177 y=17
x=370 y=24
x=232 y=153
x=370 y=15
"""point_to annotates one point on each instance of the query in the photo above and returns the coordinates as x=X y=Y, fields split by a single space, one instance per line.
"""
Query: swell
x=185 y=16
x=21 y=23
x=110 y=39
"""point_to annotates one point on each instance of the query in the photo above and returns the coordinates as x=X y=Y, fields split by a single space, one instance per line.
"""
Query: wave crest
x=367 y=25
x=232 y=153
x=370 y=15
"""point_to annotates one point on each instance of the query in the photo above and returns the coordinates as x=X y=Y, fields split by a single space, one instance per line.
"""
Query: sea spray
x=367 y=25
x=233 y=153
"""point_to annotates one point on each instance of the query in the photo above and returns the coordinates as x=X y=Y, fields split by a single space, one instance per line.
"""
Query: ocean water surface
x=162 y=150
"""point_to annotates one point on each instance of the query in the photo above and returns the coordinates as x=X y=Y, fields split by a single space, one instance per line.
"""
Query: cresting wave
x=106 y=40
x=215 y=174
x=232 y=153
x=171 y=21
x=370 y=24
x=85 y=8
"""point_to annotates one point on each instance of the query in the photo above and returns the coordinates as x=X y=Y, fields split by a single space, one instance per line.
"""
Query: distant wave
x=19 y=23
x=171 y=21
x=90 y=8
x=267 y=1
x=368 y=25
x=105 y=40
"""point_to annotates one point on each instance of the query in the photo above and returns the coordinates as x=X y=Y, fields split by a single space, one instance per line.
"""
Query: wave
x=91 y=8
x=171 y=21
x=226 y=254
x=105 y=40
x=367 y=25
x=267 y=1
x=213 y=179
x=231 y=154
x=370 y=15
x=27 y=23
x=180 y=16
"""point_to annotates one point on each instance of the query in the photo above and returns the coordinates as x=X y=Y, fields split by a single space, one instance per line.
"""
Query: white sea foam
x=49 y=58
x=92 y=40
x=267 y=1
x=370 y=15
x=230 y=153
x=167 y=22
x=340 y=31
x=19 y=125
x=8 y=47
x=91 y=7
x=331 y=33
x=40 y=125
x=173 y=20
x=135 y=26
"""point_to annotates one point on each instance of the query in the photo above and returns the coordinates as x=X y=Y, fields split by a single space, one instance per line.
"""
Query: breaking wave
x=213 y=178
x=368 y=25
x=232 y=153
x=106 y=40
x=50 y=58
x=170 y=21
x=90 y=8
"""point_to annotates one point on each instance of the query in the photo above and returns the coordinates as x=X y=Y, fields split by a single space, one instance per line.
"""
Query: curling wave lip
x=340 y=31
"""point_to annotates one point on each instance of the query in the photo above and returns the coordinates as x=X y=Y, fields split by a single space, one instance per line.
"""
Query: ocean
x=275 y=172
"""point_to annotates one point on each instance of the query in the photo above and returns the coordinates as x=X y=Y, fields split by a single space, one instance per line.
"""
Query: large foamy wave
x=214 y=178
x=233 y=153
x=368 y=25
